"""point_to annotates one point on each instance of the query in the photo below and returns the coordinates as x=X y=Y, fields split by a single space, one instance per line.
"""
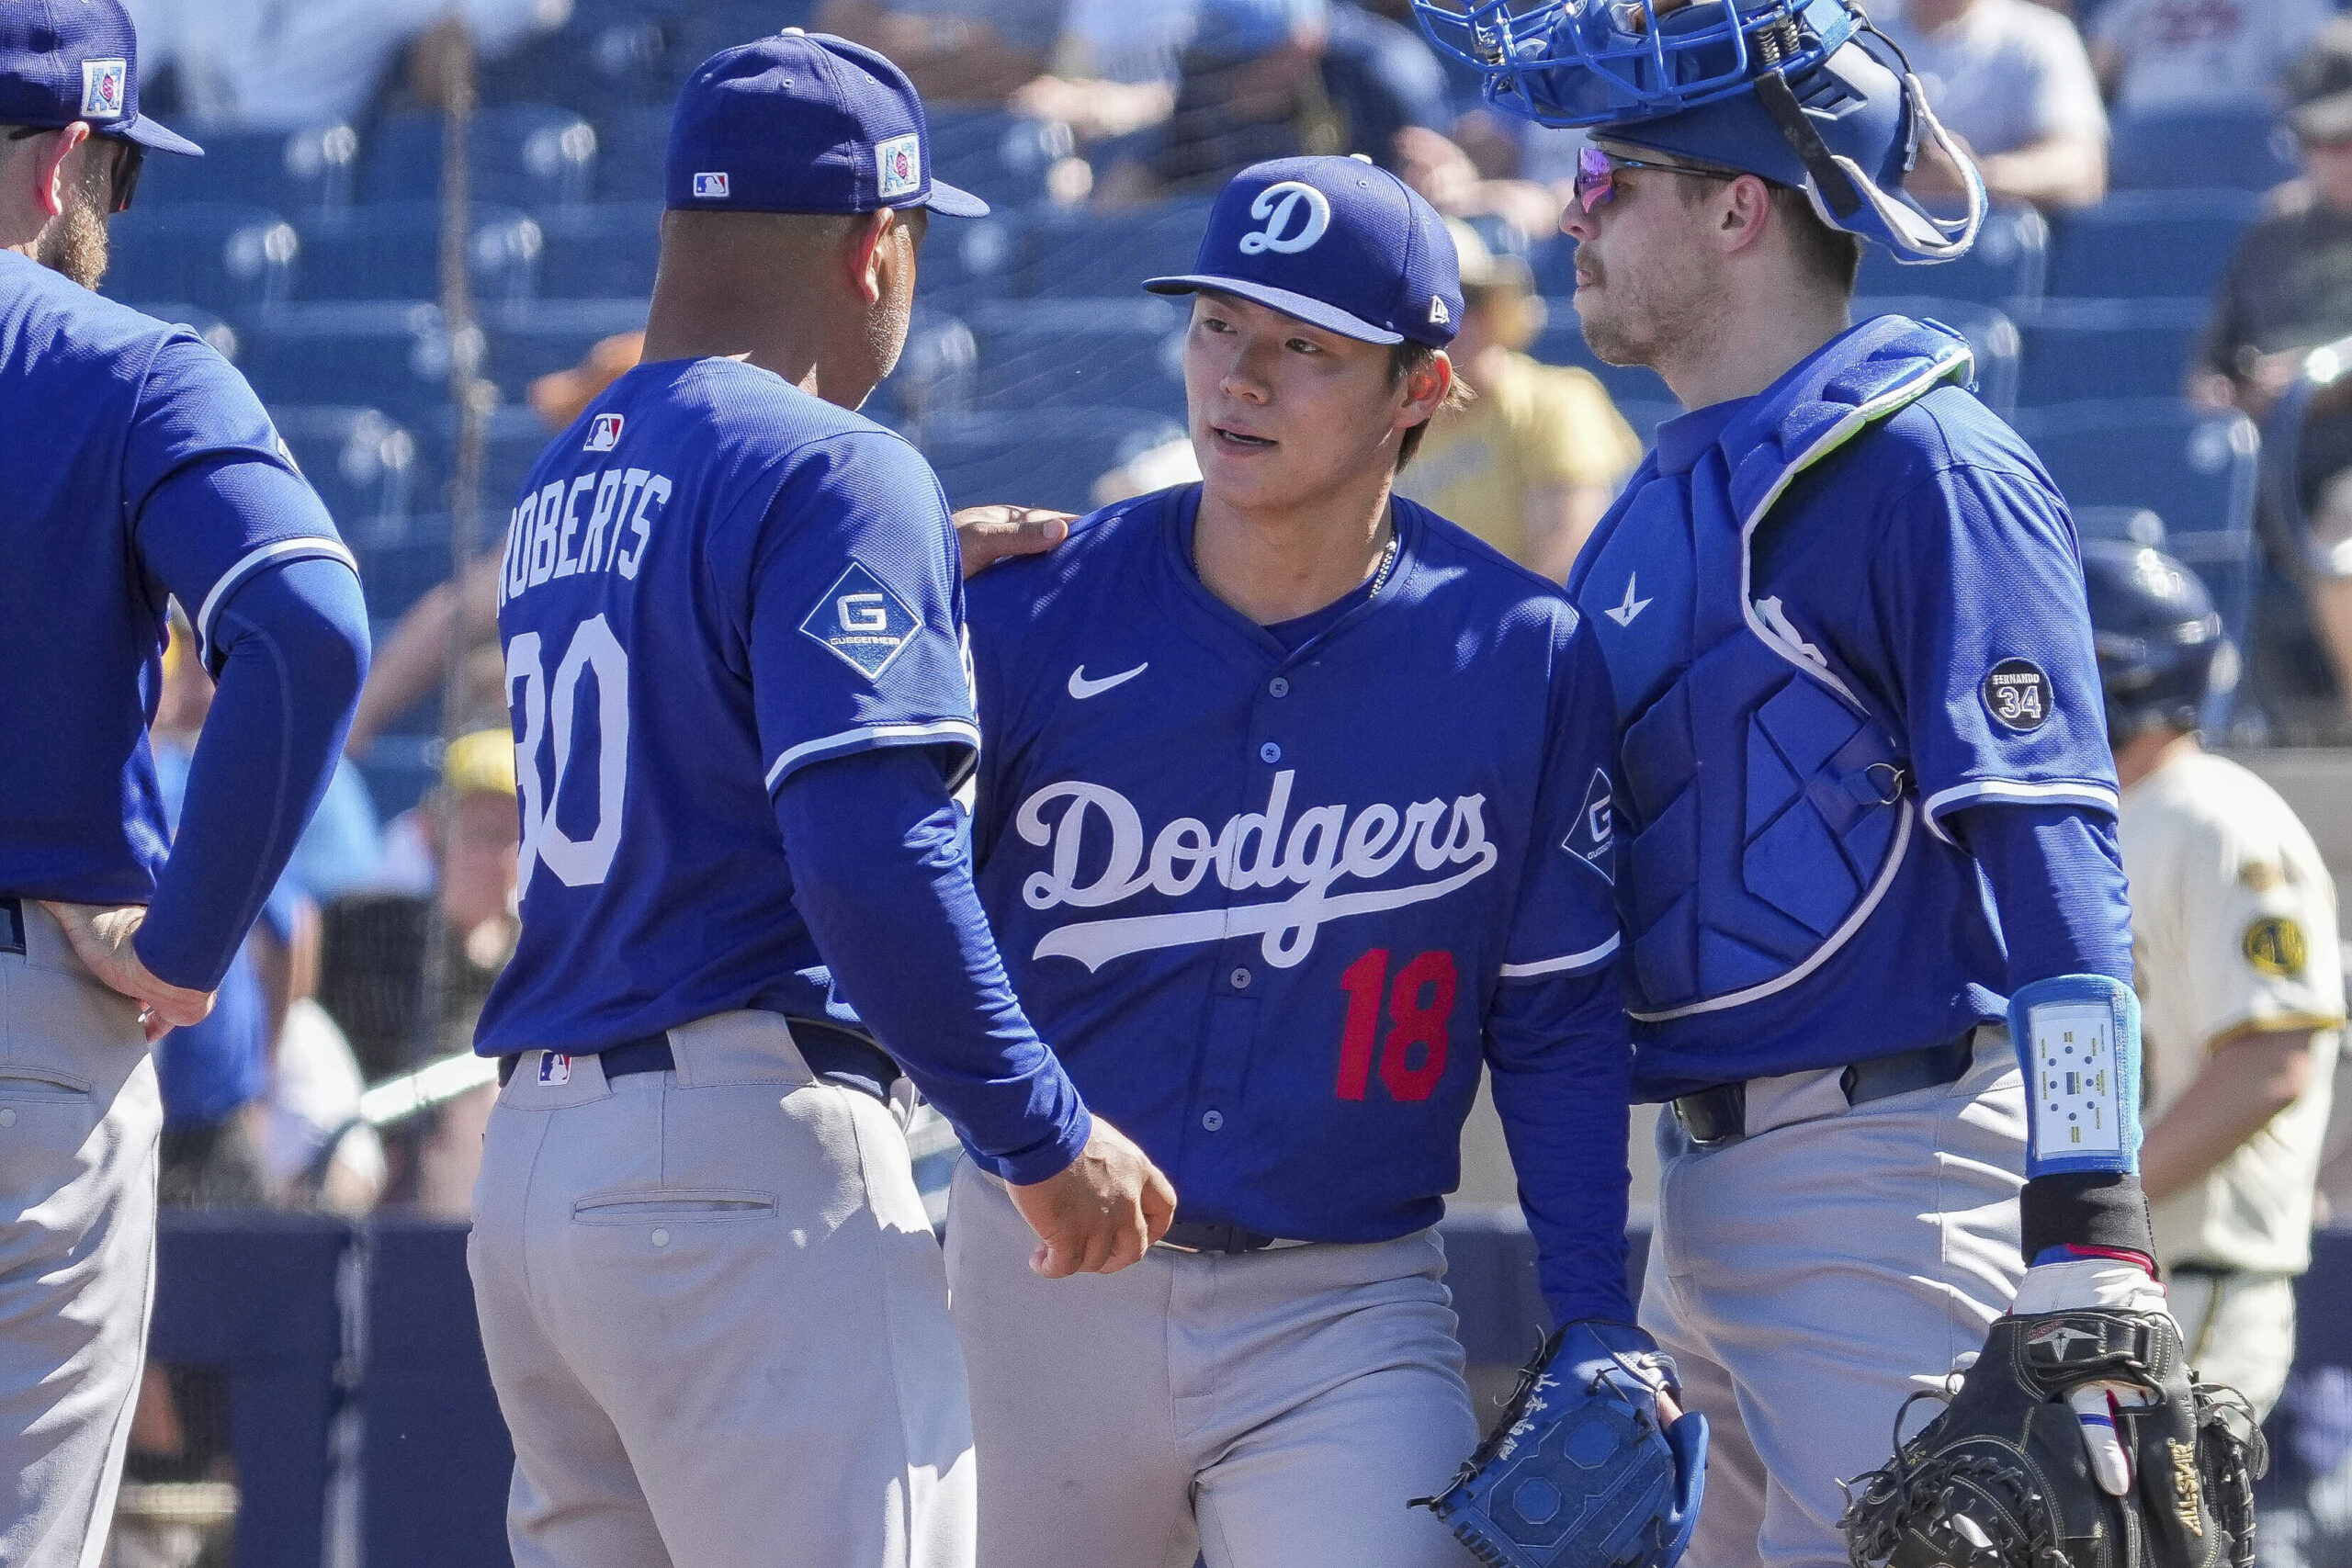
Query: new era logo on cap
x=102 y=88
x=605 y=433
x=899 y=163
x=711 y=186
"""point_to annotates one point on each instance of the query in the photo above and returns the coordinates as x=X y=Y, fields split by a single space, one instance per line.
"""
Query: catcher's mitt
x=2001 y=1479
x=1581 y=1473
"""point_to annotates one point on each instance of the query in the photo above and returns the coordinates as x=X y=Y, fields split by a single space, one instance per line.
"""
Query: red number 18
x=1417 y=1010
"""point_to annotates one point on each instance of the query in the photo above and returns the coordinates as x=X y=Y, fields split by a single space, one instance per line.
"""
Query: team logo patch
x=899 y=162
x=864 y=624
x=555 y=1067
x=1285 y=231
x=605 y=433
x=1594 y=837
x=711 y=186
x=2275 y=945
x=2017 y=694
x=2063 y=1341
x=102 y=88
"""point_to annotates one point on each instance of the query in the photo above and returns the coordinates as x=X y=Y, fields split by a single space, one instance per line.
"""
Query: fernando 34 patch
x=863 y=622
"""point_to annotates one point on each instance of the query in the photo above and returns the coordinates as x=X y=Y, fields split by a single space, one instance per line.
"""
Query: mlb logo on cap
x=102 y=88
x=605 y=433
x=711 y=187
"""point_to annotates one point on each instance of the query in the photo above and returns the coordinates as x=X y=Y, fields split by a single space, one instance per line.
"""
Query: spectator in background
x=2153 y=55
x=1535 y=459
x=955 y=51
x=2012 y=80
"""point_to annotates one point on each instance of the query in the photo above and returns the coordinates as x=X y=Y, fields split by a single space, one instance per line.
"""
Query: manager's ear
x=876 y=252
x=46 y=167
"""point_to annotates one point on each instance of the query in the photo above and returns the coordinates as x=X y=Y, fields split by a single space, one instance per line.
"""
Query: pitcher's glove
x=2004 y=1477
x=1581 y=1472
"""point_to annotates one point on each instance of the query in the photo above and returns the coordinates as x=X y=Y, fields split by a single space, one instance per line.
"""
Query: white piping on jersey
x=252 y=561
x=1591 y=956
x=1837 y=939
x=885 y=734
x=1944 y=800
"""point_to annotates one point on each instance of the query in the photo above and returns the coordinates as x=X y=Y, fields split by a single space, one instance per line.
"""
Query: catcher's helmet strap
x=1832 y=184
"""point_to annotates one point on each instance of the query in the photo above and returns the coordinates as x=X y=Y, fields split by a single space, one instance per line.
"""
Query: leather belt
x=1714 y=1117
x=831 y=1051
x=12 y=926
x=1233 y=1241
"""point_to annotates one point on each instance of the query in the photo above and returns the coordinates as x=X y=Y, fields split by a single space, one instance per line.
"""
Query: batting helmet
x=1803 y=92
x=2162 y=657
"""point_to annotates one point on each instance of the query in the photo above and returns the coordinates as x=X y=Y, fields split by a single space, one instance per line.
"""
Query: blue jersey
x=712 y=581
x=102 y=405
x=1907 y=582
x=1262 y=899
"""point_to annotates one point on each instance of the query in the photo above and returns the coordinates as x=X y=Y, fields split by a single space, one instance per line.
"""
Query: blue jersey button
x=1241 y=979
x=1278 y=687
x=1212 y=1120
x=1269 y=752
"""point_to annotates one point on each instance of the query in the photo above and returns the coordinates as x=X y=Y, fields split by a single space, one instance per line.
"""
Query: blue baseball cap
x=804 y=123
x=1336 y=242
x=67 y=60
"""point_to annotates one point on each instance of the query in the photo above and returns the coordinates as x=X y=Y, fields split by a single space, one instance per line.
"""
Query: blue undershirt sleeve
x=290 y=643
x=1562 y=1072
x=2058 y=888
x=882 y=876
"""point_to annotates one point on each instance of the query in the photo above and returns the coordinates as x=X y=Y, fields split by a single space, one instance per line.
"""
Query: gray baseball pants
x=79 y=1120
x=1808 y=1277
x=716 y=1318
x=1265 y=1411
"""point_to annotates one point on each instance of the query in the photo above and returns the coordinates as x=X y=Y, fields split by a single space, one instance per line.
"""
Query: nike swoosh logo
x=1081 y=688
x=1624 y=614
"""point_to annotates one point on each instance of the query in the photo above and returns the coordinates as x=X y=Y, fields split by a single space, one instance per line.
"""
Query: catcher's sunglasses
x=1596 y=180
x=122 y=179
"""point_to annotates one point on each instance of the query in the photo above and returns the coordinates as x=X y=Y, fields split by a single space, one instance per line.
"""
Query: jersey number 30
x=1419 y=1007
x=579 y=863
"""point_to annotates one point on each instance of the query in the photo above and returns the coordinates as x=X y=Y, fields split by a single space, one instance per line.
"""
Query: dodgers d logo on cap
x=1336 y=242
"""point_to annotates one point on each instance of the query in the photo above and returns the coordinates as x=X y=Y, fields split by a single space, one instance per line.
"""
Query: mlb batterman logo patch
x=711 y=186
x=863 y=623
x=605 y=433
x=102 y=88
x=899 y=163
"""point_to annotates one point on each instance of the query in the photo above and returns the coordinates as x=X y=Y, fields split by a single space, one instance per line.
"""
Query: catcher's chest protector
x=1769 y=810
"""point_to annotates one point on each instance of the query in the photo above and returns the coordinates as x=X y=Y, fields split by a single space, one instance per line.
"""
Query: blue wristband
x=2078 y=1040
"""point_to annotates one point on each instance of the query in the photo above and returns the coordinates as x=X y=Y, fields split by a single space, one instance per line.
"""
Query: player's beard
x=76 y=241
x=1639 y=316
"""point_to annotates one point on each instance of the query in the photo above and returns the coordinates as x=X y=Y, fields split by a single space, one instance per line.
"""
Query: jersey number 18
x=1419 y=1007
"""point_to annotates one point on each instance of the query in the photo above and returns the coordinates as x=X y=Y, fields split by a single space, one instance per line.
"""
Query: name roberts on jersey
x=546 y=538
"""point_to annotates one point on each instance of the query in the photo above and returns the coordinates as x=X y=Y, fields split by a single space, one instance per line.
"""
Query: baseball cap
x=804 y=123
x=1336 y=242
x=480 y=762
x=67 y=60
x=2319 y=85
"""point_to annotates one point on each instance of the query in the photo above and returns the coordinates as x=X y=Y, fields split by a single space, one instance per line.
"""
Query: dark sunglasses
x=1596 y=180
x=122 y=178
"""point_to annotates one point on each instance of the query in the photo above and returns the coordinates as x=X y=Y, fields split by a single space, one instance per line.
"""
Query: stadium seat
x=528 y=155
x=1562 y=343
x=2195 y=469
x=213 y=329
x=1001 y=158
x=1037 y=457
x=392 y=251
x=967 y=261
x=604 y=252
x=212 y=254
x=2009 y=261
x=525 y=341
x=393 y=576
x=390 y=356
x=514 y=436
x=2199 y=149
x=2079 y=349
x=608 y=55
x=631 y=147
x=260 y=168
x=360 y=462
x=936 y=374
x=2131 y=524
x=1106 y=254
x=1991 y=335
x=1081 y=354
x=2147 y=244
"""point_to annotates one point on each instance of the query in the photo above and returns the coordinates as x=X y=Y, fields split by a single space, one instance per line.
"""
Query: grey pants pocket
x=692 y=1205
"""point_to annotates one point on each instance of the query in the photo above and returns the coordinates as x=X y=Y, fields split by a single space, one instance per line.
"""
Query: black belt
x=1712 y=1117
x=12 y=926
x=1201 y=1235
x=831 y=1051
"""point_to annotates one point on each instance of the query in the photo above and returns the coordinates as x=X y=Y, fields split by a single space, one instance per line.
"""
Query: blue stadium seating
x=2199 y=149
x=392 y=251
x=528 y=155
x=513 y=438
x=999 y=157
x=212 y=254
x=2009 y=261
x=1991 y=335
x=390 y=356
x=604 y=252
x=936 y=374
x=967 y=261
x=1562 y=343
x=361 y=463
x=2080 y=349
x=631 y=147
x=260 y=168
x=2146 y=244
x=212 y=328
x=1078 y=353
x=394 y=576
x=2196 y=469
x=2131 y=524
x=1106 y=254
x=525 y=341
x=608 y=54
x=1037 y=457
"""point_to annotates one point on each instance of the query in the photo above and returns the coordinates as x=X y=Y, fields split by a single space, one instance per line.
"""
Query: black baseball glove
x=2002 y=1479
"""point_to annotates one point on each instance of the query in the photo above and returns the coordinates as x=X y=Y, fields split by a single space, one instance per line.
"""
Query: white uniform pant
x=716 y=1318
x=1809 y=1276
x=1265 y=1411
x=2239 y=1327
x=79 y=1120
